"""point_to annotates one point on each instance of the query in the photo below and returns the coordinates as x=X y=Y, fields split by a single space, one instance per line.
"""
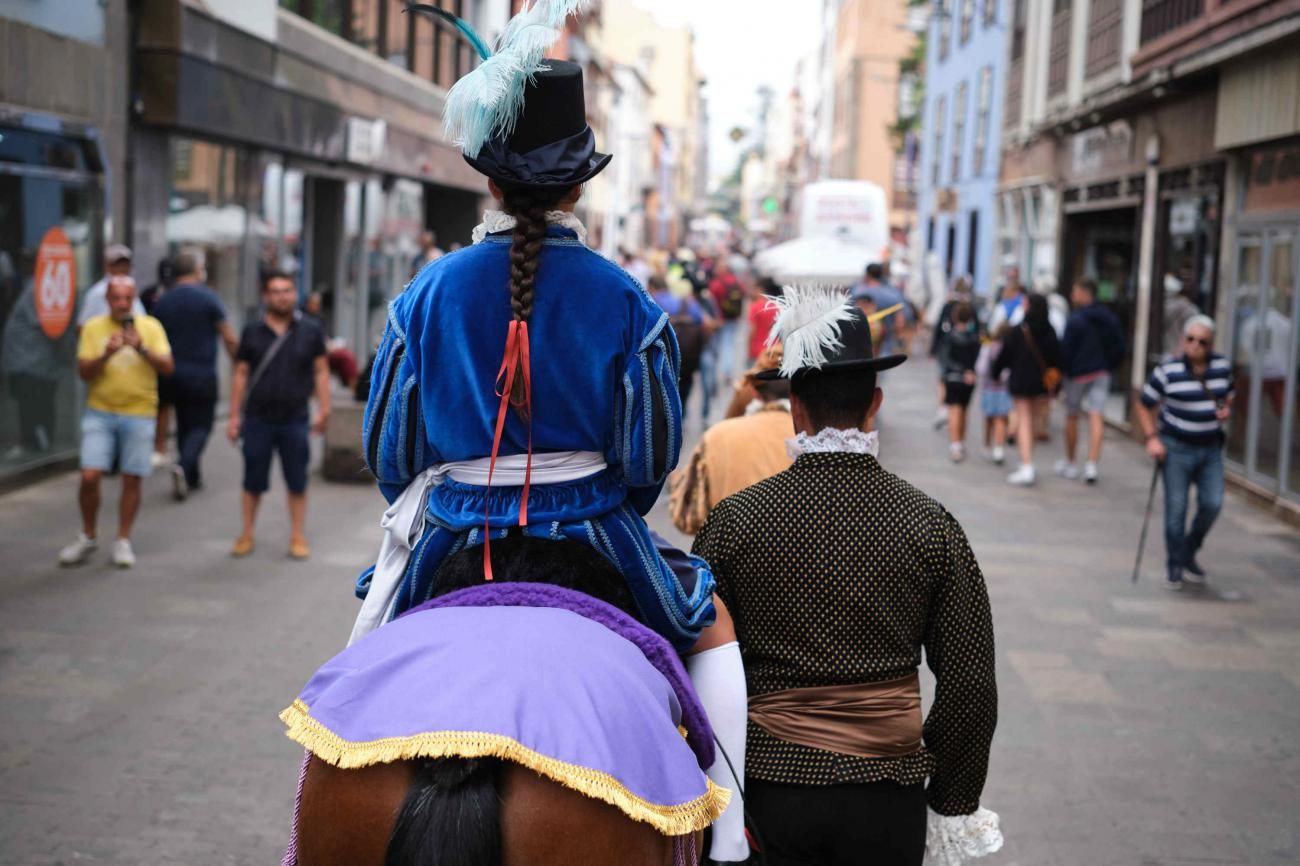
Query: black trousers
x=195 y=404
x=874 y=824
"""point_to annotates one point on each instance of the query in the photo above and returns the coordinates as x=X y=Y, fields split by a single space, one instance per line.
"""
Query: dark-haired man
x=896 y=325
x=837 y=574
x=1093 y=346
x=279 y=364
x=194 y=318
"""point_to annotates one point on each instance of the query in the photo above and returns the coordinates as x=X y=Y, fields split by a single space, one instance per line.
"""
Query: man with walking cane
x=1194 y=392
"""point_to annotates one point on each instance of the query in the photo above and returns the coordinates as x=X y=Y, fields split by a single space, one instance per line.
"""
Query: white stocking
x=719 y=678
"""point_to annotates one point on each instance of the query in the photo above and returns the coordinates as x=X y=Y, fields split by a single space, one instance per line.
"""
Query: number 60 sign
x=56 y=283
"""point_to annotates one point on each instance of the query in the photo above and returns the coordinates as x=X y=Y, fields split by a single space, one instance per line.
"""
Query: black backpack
x=733 y=300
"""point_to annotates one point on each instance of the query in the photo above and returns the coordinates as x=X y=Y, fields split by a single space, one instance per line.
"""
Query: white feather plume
x=486 y=103
x=808 y=324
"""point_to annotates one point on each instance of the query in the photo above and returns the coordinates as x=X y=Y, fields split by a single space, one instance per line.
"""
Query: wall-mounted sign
x=1102 y=149
x=55 y=289
x=366 y=139
x=1273 y=183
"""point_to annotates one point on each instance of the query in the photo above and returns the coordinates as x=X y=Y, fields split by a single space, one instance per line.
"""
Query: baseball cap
x=117 y=252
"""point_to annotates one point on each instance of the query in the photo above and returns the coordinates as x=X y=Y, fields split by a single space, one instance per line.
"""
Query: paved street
x=1137 y=726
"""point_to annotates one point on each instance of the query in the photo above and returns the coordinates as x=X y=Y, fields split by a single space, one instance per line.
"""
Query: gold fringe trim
x=344 y=754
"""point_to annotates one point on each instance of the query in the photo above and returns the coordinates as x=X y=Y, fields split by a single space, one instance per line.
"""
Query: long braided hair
x=529 y=208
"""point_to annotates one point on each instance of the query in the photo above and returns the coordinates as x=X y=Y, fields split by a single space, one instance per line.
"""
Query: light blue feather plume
x=485 y=104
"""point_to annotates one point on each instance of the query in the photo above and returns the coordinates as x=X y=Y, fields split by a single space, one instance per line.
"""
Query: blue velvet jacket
x=604 y=373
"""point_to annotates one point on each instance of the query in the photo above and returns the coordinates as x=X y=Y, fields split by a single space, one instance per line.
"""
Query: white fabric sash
x=404 y=523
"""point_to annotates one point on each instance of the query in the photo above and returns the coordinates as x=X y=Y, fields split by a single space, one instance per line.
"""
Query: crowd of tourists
x=146 y=365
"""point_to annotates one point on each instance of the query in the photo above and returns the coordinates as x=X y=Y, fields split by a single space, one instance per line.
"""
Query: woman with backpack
x=1033 y=355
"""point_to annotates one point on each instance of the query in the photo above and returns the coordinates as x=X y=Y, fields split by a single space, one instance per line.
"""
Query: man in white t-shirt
x=117 y=263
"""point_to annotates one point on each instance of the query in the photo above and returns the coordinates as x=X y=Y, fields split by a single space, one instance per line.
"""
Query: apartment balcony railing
x=1163 y=16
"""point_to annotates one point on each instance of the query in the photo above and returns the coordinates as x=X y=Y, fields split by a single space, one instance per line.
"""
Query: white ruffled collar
x=499 y=221
x=833 y=440
x=779 y=405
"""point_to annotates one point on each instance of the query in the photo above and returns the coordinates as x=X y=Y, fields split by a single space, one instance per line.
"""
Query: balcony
x=1164 y=16
x=1174 y=30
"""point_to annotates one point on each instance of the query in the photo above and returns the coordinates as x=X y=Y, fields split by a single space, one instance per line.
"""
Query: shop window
x=207 y=214
x=50 y=246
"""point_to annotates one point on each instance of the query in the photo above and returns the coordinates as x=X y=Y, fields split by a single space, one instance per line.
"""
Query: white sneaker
x=158 y=460
x=78 y=551
x=999 y=454
x=1023 y=477
x=1067 y=470
x=956 y=452
x=1090 y=472
x=123 y=555
x=179 y=488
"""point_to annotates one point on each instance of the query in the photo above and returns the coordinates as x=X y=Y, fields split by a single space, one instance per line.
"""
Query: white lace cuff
x=951 y=840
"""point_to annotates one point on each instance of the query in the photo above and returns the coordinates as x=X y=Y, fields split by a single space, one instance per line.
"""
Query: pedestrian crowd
x=146 y=365
x=1030 y=352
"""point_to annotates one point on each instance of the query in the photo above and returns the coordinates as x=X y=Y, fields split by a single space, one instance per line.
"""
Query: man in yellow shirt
x=119 y=356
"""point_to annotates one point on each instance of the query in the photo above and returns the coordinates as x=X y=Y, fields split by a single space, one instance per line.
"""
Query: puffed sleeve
x=650 y=414
x=959 y=650
x=392 y=431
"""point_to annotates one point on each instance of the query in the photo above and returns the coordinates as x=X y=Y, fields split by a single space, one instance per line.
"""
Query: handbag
x=1051 y=375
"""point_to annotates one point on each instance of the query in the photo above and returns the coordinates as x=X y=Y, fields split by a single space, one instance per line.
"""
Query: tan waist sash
x=869 y=720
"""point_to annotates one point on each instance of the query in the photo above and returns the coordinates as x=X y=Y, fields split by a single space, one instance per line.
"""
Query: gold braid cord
x=333 y=749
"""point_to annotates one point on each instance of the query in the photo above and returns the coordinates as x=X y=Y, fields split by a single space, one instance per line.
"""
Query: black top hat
x=853 y=354
x=551 y=147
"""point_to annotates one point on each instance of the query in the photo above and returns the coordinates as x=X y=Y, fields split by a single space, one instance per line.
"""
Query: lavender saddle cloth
x=546 y=677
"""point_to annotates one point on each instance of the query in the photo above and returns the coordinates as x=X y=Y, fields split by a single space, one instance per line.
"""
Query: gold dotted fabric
x=837 y=572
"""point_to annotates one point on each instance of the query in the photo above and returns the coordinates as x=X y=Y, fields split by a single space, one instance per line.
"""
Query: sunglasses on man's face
x=1200 y=341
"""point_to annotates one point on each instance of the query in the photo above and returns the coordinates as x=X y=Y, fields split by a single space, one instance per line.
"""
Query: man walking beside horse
x=837 y=574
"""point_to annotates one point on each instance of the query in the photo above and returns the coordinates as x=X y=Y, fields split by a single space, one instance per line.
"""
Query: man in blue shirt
x=885 y=296
x=194 y=318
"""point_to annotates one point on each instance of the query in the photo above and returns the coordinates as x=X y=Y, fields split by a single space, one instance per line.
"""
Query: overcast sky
x=740 y=44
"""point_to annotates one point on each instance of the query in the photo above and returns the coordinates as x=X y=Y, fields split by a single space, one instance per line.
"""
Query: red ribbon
x=514 y=362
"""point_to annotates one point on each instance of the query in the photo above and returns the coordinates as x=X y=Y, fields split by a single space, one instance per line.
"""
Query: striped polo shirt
x=1187 y=407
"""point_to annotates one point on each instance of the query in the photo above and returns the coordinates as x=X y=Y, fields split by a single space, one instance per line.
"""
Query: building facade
x=1151 y=146
x=63 y=150
x=299 y=136
x=965 y=73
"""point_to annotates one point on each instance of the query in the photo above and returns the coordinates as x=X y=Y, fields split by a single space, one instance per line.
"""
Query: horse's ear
x=450 y=816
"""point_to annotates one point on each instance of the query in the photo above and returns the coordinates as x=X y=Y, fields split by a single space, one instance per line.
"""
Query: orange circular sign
x=56 y=283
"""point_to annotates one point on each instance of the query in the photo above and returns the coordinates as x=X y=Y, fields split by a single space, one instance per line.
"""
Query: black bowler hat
x=822 y=331
x=551 y=146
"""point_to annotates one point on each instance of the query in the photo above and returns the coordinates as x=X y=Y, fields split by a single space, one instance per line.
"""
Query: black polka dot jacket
x=839 y=572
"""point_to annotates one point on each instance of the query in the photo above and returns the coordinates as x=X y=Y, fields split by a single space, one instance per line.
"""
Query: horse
x=483 y=809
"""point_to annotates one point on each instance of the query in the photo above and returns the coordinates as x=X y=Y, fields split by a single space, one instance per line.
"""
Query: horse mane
x=450 y=816
x=519 y=558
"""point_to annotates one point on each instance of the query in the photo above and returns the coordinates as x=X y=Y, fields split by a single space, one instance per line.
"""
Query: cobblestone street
x=1137 y=726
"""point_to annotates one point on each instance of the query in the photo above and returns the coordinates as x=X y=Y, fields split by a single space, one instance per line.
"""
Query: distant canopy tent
x=818 y=260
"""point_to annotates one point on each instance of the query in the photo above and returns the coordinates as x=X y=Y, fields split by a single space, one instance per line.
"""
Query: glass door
x=1245 y=308
x=1265 y=356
